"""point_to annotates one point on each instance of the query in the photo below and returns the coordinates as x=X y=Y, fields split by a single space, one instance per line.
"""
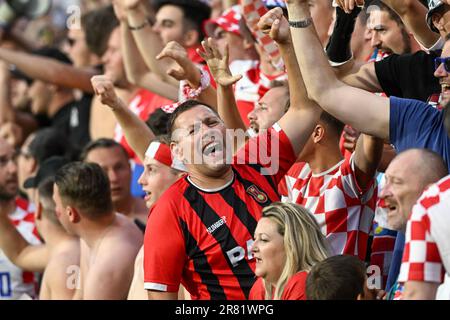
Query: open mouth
x=212 y=148
x=147 y=196
x=445 y=88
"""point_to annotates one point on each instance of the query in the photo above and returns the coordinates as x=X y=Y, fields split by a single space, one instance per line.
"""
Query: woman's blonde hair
x=304 y=243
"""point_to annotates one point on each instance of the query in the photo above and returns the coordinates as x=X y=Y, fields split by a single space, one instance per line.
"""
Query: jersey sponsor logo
x=237 y=254
x=216 y=225
x=257 y=194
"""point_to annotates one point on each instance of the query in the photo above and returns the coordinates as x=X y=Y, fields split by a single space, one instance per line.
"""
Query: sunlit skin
x=443 y=76
x=113 y=60
x=117 y=167
x=169 y=24
x=200 y=138
x=270 y=108
x=401 y=191
x=268 y=251
x=155 y=180
x=387 y=35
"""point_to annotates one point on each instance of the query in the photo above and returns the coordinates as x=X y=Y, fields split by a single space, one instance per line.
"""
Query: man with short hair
x=113 y=159
x=59 y=256
x=109 y=242
x=15 y=281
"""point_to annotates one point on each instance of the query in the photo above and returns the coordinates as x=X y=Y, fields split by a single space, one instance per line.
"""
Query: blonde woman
x=288 y=243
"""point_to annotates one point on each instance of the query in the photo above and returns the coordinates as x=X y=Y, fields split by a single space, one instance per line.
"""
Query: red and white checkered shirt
x=344 y=211
x=427 y=247
x=14 y=282
x=253 y=85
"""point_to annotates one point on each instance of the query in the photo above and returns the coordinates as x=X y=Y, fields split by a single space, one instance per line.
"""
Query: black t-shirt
x=409 y=75
x=73 y=121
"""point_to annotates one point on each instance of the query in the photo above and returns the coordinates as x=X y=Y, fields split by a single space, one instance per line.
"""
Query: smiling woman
x=288 y=243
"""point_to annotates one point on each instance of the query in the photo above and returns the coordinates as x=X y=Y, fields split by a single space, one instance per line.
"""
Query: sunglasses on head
x=446 y=61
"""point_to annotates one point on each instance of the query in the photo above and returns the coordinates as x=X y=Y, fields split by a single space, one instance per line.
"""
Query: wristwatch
x=301 y=24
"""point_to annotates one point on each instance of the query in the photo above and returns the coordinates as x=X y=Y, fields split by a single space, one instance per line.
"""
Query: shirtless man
x=109 y=242
x=114 y=160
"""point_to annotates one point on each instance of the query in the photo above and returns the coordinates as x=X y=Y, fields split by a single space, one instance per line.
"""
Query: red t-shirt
x=202 y=238
x=295 y=288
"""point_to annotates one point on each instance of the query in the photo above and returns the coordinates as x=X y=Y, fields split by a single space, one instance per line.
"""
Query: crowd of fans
x=226 y=149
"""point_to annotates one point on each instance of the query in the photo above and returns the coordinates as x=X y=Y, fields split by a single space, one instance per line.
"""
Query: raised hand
x=119 y=10
x=186 y=69
x=276 y=26
x=218 y=64
x=349 y=5
x=131 y=4
x=104 y=88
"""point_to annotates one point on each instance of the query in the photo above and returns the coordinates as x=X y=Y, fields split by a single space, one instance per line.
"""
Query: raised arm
x=188 y=71
x=18 y=250
x=360 y=109
x=302 y=107
x=147 y=41
x=136 y=70
x=50 y=70
x=137 y=133
x=219 y=67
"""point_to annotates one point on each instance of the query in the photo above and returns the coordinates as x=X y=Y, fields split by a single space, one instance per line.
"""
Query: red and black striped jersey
x=202 y=238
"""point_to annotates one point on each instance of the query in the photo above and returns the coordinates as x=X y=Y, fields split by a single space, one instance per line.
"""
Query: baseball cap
x=47 y=170
x=48 y=142
x=433 y=6
x=228 y=21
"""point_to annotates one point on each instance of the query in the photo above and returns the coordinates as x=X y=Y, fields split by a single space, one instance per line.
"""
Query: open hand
x=186 y=69
x=218 y=64
x=349 y=5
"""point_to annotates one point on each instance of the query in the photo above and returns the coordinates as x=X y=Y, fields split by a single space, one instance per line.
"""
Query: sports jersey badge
x=257 y=194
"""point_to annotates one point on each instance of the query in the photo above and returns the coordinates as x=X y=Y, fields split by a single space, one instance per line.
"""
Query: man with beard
x=15 y=282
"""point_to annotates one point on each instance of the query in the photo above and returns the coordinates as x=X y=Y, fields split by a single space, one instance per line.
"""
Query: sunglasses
x=446 y=61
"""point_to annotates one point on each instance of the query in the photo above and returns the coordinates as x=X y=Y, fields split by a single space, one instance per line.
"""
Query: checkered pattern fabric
x=427 y=245
x=228 y=21
x=15 y=281
x=253 y=85
x=344 y=211
x=252 y=11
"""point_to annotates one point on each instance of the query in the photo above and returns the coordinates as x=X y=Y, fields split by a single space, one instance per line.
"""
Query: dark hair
x=98 y=25
x=383 y=7
x=157 y=121
x=195 y=12
x=185 y=106
x=45 y=191
x=85 y=186
x=102 y=143
x=339 y=277
x=333 y=123
x=49 y=142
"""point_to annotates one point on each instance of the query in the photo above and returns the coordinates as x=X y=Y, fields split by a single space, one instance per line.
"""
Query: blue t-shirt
x=415 y=124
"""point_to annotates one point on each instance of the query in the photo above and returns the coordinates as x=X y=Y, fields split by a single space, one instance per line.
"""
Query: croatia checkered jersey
x=343 y=210
x=14 y=282
x=253 y=85
x=427 y=247
x=202 y=238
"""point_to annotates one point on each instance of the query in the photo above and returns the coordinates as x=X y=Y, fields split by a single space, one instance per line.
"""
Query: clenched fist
x=104 y=88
